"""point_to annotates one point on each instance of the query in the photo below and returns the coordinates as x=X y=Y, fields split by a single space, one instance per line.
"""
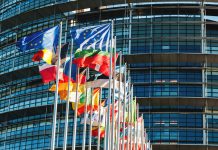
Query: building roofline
x=82 y=4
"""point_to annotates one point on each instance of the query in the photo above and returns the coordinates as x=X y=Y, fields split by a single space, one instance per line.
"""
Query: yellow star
x=35 y=44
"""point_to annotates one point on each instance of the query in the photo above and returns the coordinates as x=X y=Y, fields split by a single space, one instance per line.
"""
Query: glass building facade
x=171 y=48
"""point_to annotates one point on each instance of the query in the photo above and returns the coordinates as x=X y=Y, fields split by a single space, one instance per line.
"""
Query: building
x=171 y=48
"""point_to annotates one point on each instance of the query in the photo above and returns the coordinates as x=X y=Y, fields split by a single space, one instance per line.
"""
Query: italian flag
x=94 y=59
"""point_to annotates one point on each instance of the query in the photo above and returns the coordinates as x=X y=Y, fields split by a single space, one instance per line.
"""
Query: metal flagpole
x=124 y=108
x=142 y=144
x=99 y=119
x=90 y=124
x=131 y=98
x=129 y=122
x=86 y=101
x=119 y=102
x=56 y=94
x=137 y=116
x=75 y=112
x=134 y=135
x=113 y=96
x=145 y=141
x=105 y=139
x=68 y=100
x=109 y=92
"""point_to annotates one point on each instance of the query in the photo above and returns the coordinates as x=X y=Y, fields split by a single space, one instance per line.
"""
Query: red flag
x=48 y=73
x=95 y=132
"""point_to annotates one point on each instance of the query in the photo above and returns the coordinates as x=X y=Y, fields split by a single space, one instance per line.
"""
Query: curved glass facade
x=177 y=96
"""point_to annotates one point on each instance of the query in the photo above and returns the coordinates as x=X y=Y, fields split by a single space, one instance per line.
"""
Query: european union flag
x=92 y=37
x=45 y=39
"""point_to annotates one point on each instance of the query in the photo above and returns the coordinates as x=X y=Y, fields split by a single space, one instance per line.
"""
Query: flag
x=63 y=89
x=44 y=54
x=63 y=86
x=99 y=80
x=115 y=111
x=94 y=96
x=81 y=76
x=95 y=117
x=48 y=73
x=72 y=96
x=95 y=131
x=132 y=104
x=92 y=37
x=139 y=120
x=134 y=113
x=63 y=54
x=45 y=41
x=94 y=59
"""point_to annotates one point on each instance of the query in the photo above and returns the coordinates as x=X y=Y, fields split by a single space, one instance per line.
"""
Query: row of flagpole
x=122 y=112
x=110 y=131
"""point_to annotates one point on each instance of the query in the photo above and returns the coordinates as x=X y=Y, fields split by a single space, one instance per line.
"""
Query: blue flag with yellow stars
x=92 y=37
x=44 y=39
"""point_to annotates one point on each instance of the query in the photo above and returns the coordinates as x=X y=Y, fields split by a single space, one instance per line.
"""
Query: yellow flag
x=64 y=87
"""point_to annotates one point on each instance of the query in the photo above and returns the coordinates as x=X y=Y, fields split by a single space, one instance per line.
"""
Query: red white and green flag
x=94 y=59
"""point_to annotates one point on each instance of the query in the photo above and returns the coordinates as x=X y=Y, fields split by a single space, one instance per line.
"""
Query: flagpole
x=134 y=136
x=127 y=125
x=109 y=103
x=124 y=108
x=131 y=112
x=119 y=100
x=144 y=141
x=105 y=139
x=56 y=94
x=129 y=122
x=109 y=92
x=84 y=127
x=137 y=116
x=75 y=112
x=90 y=131
x=68 y=100
x=99 y=119
x=142 y=130
x=113 y=96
